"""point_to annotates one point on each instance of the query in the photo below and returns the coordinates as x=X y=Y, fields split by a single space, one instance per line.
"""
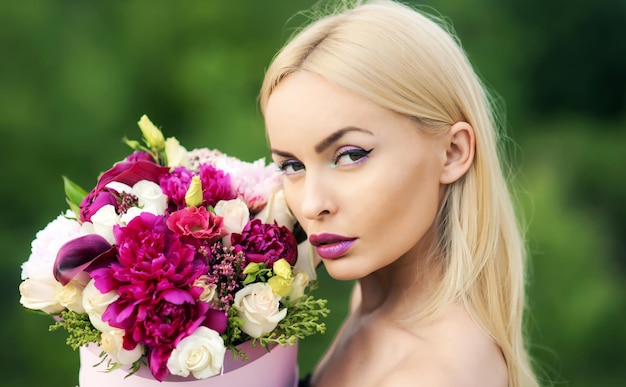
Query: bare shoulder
x=453 y=352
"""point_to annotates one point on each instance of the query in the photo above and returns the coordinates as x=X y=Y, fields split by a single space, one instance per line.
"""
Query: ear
x=459 y=152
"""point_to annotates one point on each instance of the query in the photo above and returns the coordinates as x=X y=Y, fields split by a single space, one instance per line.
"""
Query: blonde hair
x=410 y=63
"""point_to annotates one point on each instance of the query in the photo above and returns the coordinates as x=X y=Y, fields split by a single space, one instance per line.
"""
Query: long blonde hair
x=408 y=62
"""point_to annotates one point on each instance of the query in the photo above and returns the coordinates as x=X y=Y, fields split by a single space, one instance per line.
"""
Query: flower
x=153 y=136
x=171 y=259
x=201 y=353
x=265 y=243
x=112 y=342
x=277 y=211
x=95 y=303
x=235 y=213
x=258 y=307
x=40 y=293
x=198 y=223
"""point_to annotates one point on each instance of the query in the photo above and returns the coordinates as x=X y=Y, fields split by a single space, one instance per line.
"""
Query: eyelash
x=359 y=153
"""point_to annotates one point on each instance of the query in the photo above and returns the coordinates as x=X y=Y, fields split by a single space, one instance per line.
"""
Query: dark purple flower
x=262 y=242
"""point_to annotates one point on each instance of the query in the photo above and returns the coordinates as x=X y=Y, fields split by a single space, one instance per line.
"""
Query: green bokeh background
x=75 y=76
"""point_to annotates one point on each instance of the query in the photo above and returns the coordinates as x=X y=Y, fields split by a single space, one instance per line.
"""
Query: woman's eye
x=290 y=167
x=351 y=156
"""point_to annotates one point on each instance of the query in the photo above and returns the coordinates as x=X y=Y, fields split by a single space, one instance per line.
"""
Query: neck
x=399 y=289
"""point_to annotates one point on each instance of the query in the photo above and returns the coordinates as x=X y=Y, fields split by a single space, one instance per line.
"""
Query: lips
x=331 y=246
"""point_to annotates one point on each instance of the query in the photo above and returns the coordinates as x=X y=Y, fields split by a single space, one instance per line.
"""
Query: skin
x=359 y=170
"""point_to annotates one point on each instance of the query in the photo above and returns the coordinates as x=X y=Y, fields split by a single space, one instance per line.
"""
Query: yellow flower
x=154 y=137
x=193 y=197
x=282 y=268
x=280 y=285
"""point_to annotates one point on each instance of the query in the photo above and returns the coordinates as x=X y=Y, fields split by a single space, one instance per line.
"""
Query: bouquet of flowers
x=172 y=258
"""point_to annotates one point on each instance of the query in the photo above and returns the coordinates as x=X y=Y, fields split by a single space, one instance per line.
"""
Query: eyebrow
x=327 y=141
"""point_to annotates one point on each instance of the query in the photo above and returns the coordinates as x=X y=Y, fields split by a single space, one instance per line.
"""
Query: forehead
x=304 y=101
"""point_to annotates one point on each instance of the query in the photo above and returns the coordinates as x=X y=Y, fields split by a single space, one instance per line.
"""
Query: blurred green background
x=75 y=76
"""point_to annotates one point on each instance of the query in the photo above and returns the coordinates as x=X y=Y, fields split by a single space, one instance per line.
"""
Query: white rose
x=150 y=196
x=103 y=221
x=201 y=353
x=235 y=214
x=276 y=210
x=258 y=307
x=208 y=288
x=71 y=295
x=112 y=342
x=130 y=214
x=300 y=282
x=40 y=293
x=176 y=154
x=95 y=303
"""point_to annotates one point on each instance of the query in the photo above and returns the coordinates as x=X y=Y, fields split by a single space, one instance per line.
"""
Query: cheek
x=401 y=205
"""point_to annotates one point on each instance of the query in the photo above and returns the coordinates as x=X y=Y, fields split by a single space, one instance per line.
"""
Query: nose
x=318 y=199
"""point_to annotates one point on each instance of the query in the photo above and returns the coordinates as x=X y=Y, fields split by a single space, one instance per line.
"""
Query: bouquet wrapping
x=175 y=265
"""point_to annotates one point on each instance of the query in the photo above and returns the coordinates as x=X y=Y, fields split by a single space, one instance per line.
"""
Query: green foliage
x=301 y=322
x=79 y=329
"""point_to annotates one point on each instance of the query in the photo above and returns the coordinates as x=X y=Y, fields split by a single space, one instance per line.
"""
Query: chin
x=341 y=271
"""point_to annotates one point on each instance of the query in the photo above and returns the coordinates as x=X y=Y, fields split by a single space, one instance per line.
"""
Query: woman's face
x=362 y=180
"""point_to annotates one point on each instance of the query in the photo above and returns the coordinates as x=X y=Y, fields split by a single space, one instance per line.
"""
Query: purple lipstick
x=331 y=246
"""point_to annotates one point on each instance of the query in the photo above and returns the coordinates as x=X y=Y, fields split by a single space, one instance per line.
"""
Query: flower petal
x=78 y=254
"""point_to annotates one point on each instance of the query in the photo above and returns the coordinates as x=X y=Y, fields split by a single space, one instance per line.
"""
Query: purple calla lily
x=78 y=255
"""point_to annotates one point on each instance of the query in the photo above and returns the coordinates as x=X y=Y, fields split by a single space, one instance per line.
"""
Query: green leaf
x=74 y=194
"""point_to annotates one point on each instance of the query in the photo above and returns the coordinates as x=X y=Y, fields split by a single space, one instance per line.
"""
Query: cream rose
x=258 y=307
x=235 y=214
x=150 y=197
x=39 y=293
x=103 y=221
x=276 y=210
x=95 y=303
x=112 y=342
x=201 y=353
x=71 y=295
x=300 y=282
x=208 y=288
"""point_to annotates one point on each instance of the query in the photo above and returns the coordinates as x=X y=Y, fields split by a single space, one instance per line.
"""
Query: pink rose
x=197 y=222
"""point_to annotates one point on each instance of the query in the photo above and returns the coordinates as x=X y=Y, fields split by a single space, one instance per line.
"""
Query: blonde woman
x=389 y=148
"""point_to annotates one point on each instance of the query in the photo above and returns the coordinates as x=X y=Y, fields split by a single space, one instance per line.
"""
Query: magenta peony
x=154 y=277
x=262 y=242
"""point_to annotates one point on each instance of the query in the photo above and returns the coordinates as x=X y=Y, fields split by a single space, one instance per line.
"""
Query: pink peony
x=262 y=242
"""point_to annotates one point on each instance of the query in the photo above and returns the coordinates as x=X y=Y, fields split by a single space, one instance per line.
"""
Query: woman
x=389 y=150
